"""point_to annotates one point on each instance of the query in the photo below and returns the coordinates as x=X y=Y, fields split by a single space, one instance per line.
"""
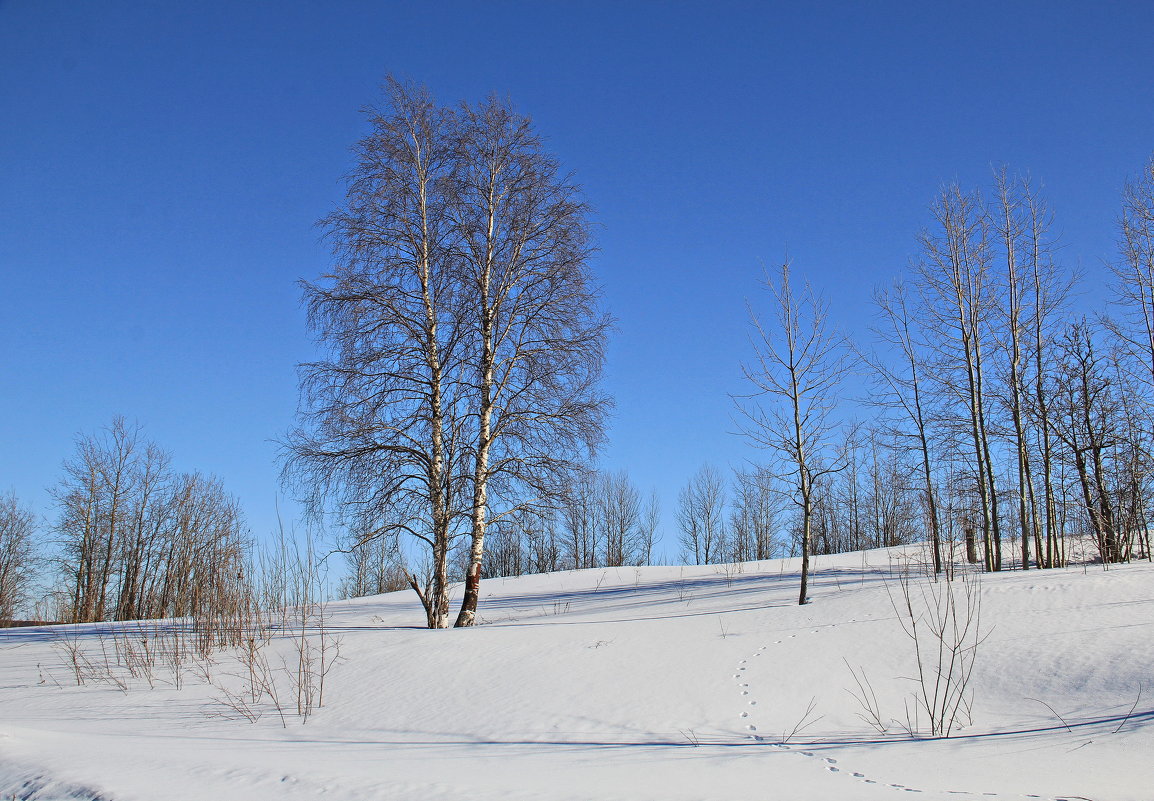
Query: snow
x=625 y=683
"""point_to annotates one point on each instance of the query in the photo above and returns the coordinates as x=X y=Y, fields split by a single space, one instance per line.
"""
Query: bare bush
x=943 y=621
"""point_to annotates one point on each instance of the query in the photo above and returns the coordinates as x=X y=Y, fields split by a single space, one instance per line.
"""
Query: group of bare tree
x=374 y=565
x=463 y=335
x=18 y=555
x=1004 y=417
x=137 y=540
x=601 y=520
x=720 y=524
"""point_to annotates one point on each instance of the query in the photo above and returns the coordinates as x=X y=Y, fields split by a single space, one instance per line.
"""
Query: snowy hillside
x=630 y=683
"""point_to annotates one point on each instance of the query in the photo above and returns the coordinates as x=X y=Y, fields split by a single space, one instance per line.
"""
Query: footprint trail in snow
x=750 y=724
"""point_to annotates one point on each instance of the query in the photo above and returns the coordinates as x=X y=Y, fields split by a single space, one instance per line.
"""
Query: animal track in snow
x=830 y=763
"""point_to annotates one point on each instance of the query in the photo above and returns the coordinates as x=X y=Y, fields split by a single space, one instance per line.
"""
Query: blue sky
x=162 y=166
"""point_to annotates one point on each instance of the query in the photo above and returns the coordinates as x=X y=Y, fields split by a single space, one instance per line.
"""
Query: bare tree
x=904 y=389
x=647 y=529
x=138 y=541
x=797 y=367
x=1019 y=242
x=1134 y=273
x=383 y=419
x=701 y=517
x=17 y=554
x=757 y=507
x=1033 y=292
x=1048 y=289
x=621 y=516
x=1087 y=420
x=465 y=337
x=579 y=519
x=537 y=337
x=375 y=565
x=957 y=289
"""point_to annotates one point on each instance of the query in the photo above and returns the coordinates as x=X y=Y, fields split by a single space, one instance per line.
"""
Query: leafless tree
x=138 y=541
x=383 y=419
x=17 y=554
x=603 y=521
x=1019 y=242
x=957 y=287
x=464 y=336
x=896 y=509
x=1086 y=421
x=797 y=366
x=1048 y=287
x=755 y=517
x=648 y=527
x=621 y=516
x=375 y=565
x=1033 y=293
x=1134 y=273
x=537 y=336
x=544 y=541
x=579 y=519
x=701 y=517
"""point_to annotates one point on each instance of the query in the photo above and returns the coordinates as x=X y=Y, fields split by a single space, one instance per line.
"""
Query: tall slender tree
x=1134 y=273
x=383 y=418
x=954 y=277
x=903 y=388
x=797 y=367
x=536 y=332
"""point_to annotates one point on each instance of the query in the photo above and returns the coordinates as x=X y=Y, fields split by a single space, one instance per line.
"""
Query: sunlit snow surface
x=627 y=683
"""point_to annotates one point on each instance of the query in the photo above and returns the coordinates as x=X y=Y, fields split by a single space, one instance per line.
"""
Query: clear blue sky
x=162 y=165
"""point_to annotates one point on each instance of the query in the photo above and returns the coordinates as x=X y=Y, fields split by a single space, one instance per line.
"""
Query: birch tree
x=903 y=388
x=382 y=420
x=1019 y=243
x=463 y=333
x=537 y=335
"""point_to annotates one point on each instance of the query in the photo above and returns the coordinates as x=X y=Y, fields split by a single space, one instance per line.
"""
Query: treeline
x=601 y=519
x=750 y=516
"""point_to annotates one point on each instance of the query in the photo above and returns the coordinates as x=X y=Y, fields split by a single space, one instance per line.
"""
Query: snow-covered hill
x=624 y=683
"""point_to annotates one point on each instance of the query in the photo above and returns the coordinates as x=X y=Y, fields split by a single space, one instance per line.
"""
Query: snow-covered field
x=626 y=683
